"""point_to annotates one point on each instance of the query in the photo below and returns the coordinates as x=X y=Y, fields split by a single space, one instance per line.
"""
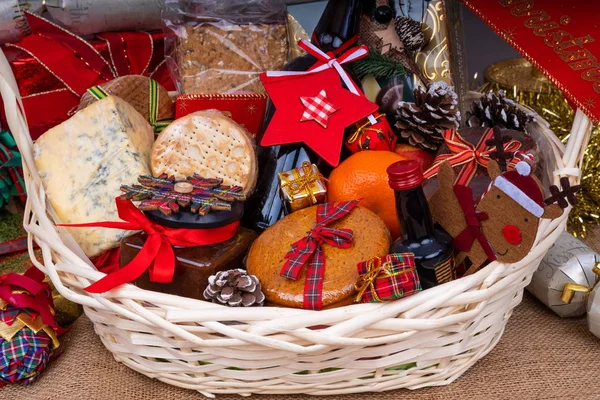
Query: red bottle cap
x=405 y=175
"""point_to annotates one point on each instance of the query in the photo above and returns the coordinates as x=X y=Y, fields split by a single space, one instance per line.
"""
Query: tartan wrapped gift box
x=387 y=278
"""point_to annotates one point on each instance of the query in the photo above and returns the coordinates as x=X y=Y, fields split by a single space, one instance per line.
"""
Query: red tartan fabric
x=317 y=108
x=387 y=278
x=307 y=251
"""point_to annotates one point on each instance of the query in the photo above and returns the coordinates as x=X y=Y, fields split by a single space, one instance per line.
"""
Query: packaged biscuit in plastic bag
x=217 y=46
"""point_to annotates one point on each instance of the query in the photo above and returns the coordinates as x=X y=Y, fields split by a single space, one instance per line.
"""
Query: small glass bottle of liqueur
x=432 y=246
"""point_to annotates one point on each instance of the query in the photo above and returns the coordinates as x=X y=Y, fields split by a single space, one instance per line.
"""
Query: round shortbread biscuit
x=210 y=144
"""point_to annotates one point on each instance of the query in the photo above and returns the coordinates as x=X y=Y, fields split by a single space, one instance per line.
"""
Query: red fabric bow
x=464 y=240
x=38 y=297
x=308 y=251
x=157 y=253
x=78 y=65
x=469 y=156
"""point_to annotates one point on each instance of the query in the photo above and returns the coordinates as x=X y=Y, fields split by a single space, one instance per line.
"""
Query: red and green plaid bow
x=469 y=156
x=307 y=251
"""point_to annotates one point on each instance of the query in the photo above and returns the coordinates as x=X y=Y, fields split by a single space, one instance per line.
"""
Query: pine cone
x=433 y=111
x=234 y=288
x=410 y=33
x=496 y=110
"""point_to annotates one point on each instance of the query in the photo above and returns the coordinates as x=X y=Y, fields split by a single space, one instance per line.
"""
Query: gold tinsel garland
x=554 y=108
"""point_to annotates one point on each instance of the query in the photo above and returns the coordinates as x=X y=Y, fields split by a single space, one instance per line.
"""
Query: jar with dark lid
x=193 y=265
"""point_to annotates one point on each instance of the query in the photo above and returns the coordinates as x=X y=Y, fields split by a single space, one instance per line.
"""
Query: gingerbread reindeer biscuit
x=504 y=224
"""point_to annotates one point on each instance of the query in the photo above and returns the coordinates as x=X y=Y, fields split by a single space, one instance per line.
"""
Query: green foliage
x=378 y=65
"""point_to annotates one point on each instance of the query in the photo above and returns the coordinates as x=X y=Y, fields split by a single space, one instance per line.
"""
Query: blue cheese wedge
x=84 y=161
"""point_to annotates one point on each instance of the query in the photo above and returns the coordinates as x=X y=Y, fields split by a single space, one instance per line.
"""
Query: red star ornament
x=287 y=126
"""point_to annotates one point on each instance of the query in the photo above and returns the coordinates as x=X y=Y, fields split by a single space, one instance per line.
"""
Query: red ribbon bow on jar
x=464 y=240
x=469 y=156
x=157 y=252
x=307 y=251
x=37 y=298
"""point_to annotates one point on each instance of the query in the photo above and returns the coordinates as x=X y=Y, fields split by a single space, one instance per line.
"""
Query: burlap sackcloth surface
x=540 y=356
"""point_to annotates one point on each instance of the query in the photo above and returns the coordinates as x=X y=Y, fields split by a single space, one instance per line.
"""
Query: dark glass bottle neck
x=414 y=214
x=339 y=23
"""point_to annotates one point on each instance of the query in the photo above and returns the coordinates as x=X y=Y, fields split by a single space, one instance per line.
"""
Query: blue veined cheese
x=84 y=161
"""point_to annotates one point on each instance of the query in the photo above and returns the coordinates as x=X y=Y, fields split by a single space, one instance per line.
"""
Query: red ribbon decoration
x=39 y=298
x=307 y=251
x=79 y=65
x=469 y=156
x=464 y=240
x=157 y=252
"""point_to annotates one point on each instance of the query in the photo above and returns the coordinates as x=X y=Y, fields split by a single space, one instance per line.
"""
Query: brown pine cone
x=234 y=288
x=496 y=110
x=410 y=33
x=421 y=123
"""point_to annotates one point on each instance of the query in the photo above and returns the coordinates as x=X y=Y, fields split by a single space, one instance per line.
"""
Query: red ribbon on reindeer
x=473 y=218
x=468 y=155
x=307 y=251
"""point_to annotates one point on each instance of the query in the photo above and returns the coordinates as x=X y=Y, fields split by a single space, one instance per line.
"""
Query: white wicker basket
x=440 y=332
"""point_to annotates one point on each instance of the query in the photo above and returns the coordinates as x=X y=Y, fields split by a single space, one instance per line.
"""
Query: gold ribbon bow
x=300 y=184
x=374 y=268
x=570 y=289
x=361 y=130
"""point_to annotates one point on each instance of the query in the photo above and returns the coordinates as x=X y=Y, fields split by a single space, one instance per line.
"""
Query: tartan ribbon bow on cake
x=308 y=252
x=462 y=153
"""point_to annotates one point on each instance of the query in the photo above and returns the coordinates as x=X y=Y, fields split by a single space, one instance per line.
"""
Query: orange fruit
x=363 y=176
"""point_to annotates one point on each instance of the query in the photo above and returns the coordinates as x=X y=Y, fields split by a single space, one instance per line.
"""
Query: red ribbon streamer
x=39 y=298
x=157 y=252
x=307 y=251
x=79 y=65
x=464 y=240
x=469 y=156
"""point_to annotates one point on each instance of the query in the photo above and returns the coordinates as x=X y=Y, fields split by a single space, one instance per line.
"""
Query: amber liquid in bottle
x=431 y=245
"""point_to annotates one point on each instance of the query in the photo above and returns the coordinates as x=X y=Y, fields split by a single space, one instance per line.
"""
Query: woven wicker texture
x=540 y=356
x=213 y=349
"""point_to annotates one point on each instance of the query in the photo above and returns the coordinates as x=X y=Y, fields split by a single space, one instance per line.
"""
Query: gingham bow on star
x=307 y=251
x=469 y=156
